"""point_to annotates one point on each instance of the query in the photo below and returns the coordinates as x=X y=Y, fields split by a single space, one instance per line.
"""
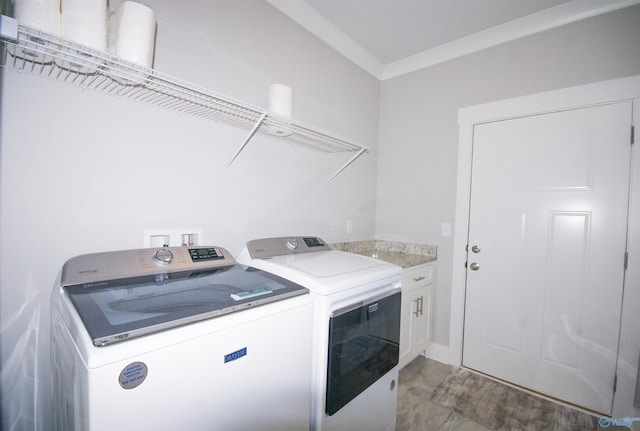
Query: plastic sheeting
x=25 y=359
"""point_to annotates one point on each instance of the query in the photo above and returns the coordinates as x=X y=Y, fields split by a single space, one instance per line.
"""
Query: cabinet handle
x=419 y=278
x=419 y=306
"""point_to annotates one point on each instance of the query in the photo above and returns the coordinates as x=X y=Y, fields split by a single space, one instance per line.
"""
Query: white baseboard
x=438 y=352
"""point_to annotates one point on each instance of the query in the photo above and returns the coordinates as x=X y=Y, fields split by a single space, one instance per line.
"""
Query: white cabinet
x=415 y=320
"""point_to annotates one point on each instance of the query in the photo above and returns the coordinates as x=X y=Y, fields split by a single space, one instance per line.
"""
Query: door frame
x=624 y=89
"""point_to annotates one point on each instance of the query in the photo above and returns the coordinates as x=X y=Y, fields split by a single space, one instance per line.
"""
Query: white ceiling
x=395 y=29
x=388 y=38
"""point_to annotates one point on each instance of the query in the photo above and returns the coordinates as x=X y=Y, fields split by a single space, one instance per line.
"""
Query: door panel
x=505 y=303
x=565 y=287
x=549 y=205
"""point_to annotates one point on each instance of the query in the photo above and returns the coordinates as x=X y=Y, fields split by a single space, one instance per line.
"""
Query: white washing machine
x=356 y=328
x=179 y=339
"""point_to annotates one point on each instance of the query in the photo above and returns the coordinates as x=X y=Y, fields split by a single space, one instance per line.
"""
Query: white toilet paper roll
x=132 y=32
x=85 y=22
x=42 y=14
x=280 y=108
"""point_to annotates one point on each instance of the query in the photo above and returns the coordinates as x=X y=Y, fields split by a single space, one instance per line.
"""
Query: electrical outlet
x=446 y=230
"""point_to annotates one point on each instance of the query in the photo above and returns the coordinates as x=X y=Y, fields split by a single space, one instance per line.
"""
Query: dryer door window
x=363 y=346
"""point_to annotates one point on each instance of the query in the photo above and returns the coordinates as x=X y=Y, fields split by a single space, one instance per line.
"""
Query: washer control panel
x=270 y=247
x=89 y=269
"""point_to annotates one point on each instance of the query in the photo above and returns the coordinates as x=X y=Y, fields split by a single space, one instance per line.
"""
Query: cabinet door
x=415 y=322
x=422 y=319
x=406 y=328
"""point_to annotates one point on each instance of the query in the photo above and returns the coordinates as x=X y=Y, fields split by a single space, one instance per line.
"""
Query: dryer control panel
x=270 y=247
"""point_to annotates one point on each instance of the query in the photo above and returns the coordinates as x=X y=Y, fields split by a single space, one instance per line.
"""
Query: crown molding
x=544 y=20
x=314 y=22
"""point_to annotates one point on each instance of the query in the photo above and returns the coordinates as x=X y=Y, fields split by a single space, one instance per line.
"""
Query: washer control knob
x=292 y=243
x=162 y=257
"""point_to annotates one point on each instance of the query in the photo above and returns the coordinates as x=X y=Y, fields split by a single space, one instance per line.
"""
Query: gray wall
x=418 y=122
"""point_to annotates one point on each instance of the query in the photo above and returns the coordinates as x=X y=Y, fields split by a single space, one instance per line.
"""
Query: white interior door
x=548 y=219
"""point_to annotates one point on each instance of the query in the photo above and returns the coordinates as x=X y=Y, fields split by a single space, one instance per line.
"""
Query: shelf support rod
x=248 y=138
x=353 y=159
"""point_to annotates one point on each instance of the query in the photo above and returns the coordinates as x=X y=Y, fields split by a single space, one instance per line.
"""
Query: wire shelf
x=36 y=52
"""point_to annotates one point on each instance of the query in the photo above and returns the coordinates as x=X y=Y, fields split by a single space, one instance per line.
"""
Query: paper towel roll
x=280 y=108
x=42 y=14
x=280 y=100
x=85 y=22
x=132 y=32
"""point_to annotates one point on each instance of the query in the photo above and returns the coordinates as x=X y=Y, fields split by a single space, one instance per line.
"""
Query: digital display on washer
x=119 y=310
x=200 y=254
x=313 y=242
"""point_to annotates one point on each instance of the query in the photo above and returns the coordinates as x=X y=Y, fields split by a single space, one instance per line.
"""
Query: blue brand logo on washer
x=373 y=307
x=235 y=355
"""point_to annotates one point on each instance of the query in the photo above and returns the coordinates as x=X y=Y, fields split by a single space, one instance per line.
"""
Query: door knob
x=474 y=266
x=475 y=249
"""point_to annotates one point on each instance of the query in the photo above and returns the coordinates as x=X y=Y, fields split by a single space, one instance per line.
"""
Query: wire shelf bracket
x=353 y=159
x=246 y=141
x=30 y=50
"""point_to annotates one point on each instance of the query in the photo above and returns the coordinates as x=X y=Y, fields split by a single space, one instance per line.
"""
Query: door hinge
x=633 y=135
x=615 y=382
x=626 y=260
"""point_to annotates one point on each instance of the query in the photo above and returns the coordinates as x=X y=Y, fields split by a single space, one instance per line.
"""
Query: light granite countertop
x=402 y=254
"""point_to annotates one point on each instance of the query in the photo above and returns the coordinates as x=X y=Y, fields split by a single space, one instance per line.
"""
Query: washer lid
x=120 y=309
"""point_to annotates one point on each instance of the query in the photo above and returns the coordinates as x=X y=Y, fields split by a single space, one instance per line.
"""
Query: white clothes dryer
x=356 y=303
x=179 y=339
